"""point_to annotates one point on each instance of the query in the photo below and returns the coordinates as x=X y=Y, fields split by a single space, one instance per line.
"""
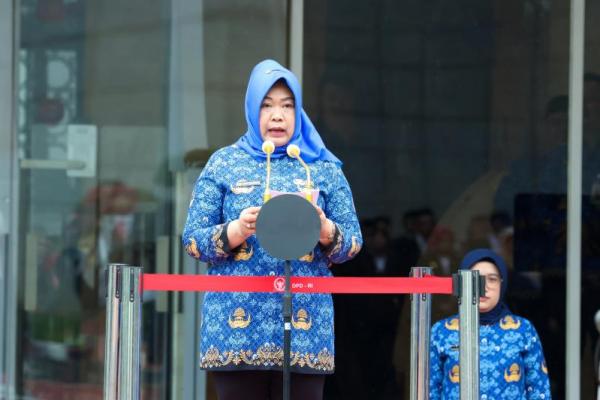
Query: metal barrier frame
x=468 y=287
x=122 y=364
x=122 y=369
x=420 y=327
x=469 y=292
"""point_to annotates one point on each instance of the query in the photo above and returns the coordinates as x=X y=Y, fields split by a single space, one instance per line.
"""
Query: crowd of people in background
x=384 y=320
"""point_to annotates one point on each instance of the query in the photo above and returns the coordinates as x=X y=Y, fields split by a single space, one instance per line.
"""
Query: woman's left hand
x=327 y=228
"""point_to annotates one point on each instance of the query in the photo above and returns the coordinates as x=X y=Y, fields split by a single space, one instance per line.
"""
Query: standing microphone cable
x=268 y=148
x=294 y=152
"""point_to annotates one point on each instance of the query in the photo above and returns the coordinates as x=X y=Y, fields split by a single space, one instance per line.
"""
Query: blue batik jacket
x=511 y=361
x=245 y=330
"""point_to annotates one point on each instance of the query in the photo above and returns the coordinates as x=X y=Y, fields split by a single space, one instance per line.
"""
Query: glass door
x=119 y=104
x=94 y=186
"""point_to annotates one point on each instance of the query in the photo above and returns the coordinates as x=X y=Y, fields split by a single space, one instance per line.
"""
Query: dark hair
x=418 y=212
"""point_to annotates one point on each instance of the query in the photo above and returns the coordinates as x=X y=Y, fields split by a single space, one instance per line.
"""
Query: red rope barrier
x=212 y=283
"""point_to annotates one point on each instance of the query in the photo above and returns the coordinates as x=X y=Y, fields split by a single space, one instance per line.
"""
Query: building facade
x=451 y=118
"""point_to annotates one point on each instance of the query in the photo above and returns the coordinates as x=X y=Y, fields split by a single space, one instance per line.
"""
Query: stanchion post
x=469 y=291
x=123 y=333
x=111 y=346
x=130 y=336
x=420 y=326
x=287 y=332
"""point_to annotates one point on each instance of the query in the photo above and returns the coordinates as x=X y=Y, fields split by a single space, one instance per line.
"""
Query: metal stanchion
x=287 y=332
x=123 y=333
x=111 y=346
x=419 y=339
x=469 y=291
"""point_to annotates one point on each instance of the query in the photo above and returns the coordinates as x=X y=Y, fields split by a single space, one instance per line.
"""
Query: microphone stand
x=287 y=330
x=287 y=228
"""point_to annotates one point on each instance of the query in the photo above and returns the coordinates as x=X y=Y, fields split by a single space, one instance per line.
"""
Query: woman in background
x=511 y=359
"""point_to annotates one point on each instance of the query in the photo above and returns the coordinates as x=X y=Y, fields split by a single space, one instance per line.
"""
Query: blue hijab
x=501 y=309
x=264 y=75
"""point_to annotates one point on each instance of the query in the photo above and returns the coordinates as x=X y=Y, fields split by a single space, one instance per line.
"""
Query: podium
x=288 y=228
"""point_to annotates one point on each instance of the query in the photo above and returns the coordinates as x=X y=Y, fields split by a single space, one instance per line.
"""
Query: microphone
x=268 y=148
x=294 y=152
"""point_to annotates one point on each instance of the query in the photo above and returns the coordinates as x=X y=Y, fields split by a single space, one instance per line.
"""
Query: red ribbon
x=270 y=284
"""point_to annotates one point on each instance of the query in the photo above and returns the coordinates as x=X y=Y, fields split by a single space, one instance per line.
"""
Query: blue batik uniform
x=511 y=361
x=245 y=330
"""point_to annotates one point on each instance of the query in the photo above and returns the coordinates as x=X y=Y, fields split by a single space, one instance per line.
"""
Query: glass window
x=119 y=104
x=451 y=120
x=590 y=234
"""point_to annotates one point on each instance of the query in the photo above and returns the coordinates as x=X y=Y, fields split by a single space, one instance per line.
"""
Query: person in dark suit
x=369 y=321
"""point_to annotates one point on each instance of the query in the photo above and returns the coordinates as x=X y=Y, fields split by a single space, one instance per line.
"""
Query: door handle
x=32 y=163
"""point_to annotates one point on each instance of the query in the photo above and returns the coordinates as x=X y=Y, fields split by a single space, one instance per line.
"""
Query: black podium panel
x=288 y=227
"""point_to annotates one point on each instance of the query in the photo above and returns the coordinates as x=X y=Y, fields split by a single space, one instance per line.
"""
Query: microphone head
x=268 y=147
x=597 y=320
x=293 y=151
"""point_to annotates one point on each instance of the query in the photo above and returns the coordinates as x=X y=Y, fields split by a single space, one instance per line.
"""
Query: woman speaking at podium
x=241 y=340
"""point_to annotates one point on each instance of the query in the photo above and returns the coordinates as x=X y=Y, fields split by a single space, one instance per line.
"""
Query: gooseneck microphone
x=294 y=152
x=268 y=148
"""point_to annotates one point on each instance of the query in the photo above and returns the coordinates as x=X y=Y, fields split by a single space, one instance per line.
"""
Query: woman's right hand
x=242 y=228
x=247 y=221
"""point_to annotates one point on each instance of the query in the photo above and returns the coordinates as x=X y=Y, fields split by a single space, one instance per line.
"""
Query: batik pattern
x=244 y=330
x=511 y=361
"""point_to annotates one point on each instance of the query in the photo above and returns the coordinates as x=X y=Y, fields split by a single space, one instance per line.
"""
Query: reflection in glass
x=451 y=120
x=149 y=89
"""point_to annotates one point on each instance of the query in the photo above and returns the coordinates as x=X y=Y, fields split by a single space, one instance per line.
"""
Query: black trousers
x=266 y=385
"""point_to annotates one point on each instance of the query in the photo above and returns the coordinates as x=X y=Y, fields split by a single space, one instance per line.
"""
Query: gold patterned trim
x=355 y=247
x=244 y=252
x=267 y=355
x=219 y=245
x=192 y=249
x=339 y=241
